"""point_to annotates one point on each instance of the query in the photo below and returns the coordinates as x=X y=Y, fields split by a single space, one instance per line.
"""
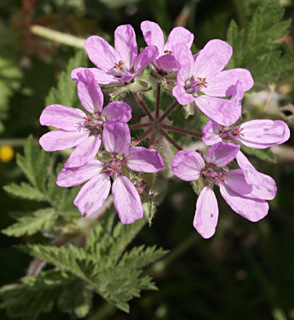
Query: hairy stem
x=172 y=128
x=143 y=105
x=140 y=125
x=144 y=135
x=168 y=111
x=169 y=139
x=157 y=101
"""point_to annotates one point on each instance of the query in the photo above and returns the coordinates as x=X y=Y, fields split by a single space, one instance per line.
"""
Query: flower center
x=113 y=167
x=231 y=134
x=93 y=122
x=119 y=65
x=194 y=85
x=168 y=52
x=214 y=176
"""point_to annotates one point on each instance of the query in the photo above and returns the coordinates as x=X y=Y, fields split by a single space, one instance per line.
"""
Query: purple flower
x=243 y=193
x=118 y=65
x=201 y=80
x=153 y=36
x=78 y=129
x=127 y=202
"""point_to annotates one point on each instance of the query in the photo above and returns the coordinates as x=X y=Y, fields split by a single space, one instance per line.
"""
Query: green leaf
x=34 y=163
x=66 y=91
x=262 y=154
x=42 y=219
x=25 y=191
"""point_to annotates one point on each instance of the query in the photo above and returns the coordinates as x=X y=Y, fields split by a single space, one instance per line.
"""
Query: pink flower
x=118 y=65
x=78 y=129
x=153 y=35
x=127 y=202
x=242 y=193
x=201 y=80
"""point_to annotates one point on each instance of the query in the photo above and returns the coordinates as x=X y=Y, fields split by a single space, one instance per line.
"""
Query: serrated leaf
x=262 y=154
x=39 y=220
x=24 y=191
x=34 y=163
x=66 y=91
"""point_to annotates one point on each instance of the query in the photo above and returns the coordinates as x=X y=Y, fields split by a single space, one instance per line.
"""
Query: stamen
x=119 y=65
x=168 y=52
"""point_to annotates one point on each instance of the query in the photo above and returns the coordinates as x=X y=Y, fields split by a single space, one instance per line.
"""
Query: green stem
x=57 y=36
x=13 y=142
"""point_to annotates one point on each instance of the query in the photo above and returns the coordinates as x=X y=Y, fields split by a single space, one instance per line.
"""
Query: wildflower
x=243 y=195
x=153 y=35
x=116 y=140
x=120 y=64
x=78 y=129
x=6 y=153
x=200 y=79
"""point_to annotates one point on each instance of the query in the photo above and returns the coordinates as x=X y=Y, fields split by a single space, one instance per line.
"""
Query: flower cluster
x=105 y=150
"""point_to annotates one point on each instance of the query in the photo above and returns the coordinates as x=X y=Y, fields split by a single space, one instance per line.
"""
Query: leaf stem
x=157 y=101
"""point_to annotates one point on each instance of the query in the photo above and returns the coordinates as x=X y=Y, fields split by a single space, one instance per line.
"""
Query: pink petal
x=60 y=140
x=100 y=76
x=116 y=137
x=222 y=85
x=187 y=165
x=212 y=58
x=222 y=111
x=101 y=53
x=181 y=95
x=93 y=194
x=118 y=111
x=84 y=152
x=126 y=44
x=75 y=176
x=206 y=215
x=251 y=209
x=221 y=154
x=235 y=180
x=179 y=35
x=261 y=134
x=144 y=160
x=153 y=35
x=89 y=92
x=167 y=63
x=66 y=118
x=126 y=200
x=264 y=185
x=184 y=58
x=145 y=57
x=211 y=133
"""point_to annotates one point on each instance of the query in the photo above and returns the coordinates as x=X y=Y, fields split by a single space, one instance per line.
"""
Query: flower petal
x=181 y=95
x=179 y=35
x=93 y=194
x=126 y=200
x=145 y=57
x=61 y=117
x=222 y=111
x=221 y=154
x=100 y=75
x=166 y=63
x=187 y=165
x=101 y=53
x=153 y=35
x=235 y=180
x=264 y=186
x=223 y=84
x=116 y=137
x=206 y=214
x=185 y=61
x=60 y=140
x=118 y=111
x=251 y=209
x=75 y=176
x=84 y=152
x=211 y=133
x=144 y=160
x=126 y=44
x=212 y=58
x=261 y=134
x=89 y=92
